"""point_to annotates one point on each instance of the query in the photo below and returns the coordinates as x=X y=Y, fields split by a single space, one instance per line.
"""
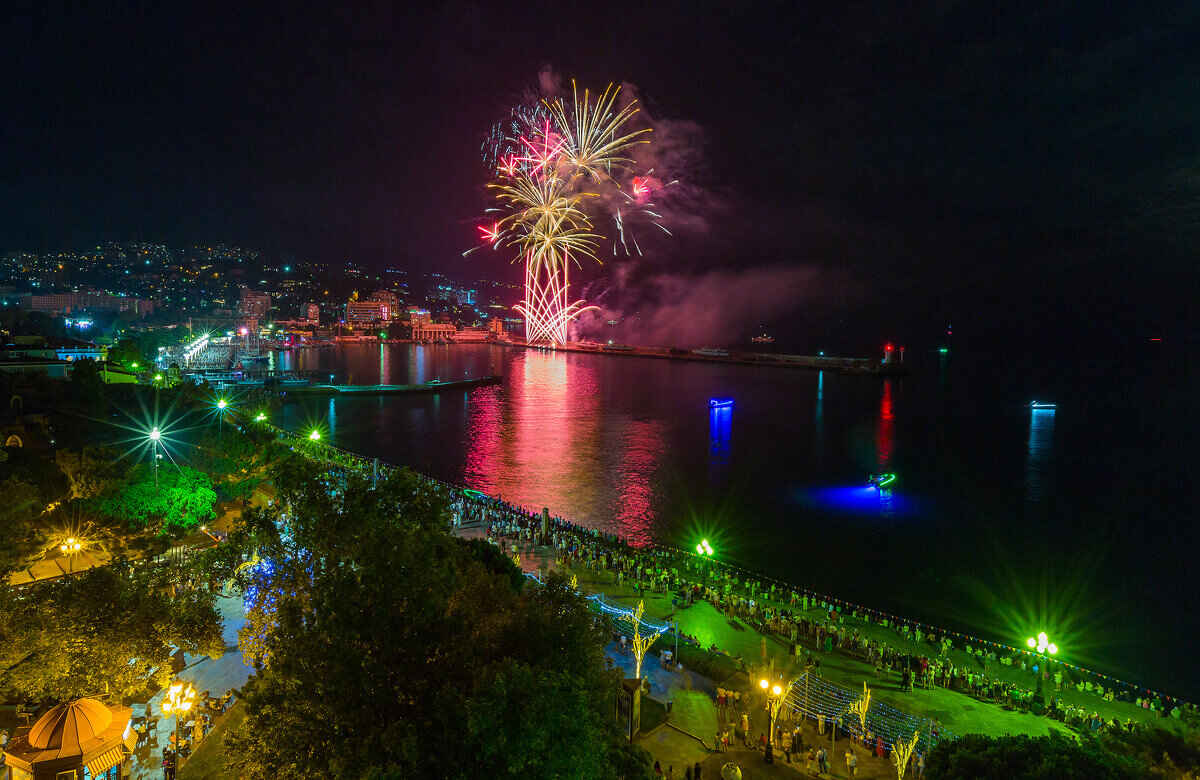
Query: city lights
x=703 y=548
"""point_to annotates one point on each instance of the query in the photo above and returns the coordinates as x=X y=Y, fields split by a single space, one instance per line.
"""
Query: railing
x=811 y=697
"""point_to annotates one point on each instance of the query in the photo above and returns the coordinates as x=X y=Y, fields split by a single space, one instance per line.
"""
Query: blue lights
x=720 y=403
x=720 y=429
x=859 y=500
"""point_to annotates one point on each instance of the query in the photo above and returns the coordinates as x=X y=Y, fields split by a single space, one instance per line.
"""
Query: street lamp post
x=179 y=698
x=1042 y=644
x=774 y=694
x=155 y=436
x=71 y=548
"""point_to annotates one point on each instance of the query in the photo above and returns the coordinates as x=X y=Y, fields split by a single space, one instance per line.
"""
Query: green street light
x=221 y=404
x=1042 y=644
x=704 y=548
x=260 y=417
x=158 y=377
x=315 y=435
x=133 y=365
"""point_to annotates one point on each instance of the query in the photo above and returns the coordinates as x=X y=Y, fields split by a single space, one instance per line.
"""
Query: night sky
x=1029 y=167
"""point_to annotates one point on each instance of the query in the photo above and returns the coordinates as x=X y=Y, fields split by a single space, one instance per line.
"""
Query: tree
x=1028 y=758
x=35 y=469
x=387 y=647
x=183 y=499
x=87 y=386
x=19 y=539
x=89 y=471
x=112 y=628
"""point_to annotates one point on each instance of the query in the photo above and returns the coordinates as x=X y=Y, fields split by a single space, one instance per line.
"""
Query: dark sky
x=966 y=162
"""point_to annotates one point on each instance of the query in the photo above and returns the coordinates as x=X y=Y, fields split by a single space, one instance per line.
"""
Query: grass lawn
x=208 y=762
x=654 y=713
x=957 y=712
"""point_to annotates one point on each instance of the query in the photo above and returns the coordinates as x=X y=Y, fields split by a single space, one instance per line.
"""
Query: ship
x=763 y=339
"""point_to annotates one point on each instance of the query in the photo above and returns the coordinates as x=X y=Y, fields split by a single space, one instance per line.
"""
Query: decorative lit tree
x=902 y=751
x=640 y=643
x=860 y=707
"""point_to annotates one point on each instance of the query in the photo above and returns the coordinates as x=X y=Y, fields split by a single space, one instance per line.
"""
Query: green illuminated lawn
x=957 y=712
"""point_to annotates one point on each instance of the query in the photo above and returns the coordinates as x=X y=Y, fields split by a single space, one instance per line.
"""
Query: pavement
x=217 y=676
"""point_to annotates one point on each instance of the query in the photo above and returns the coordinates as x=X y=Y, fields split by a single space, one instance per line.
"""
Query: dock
x=435 y=386
x=841 y=365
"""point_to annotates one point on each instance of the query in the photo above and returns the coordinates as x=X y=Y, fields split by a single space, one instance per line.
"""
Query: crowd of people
x=923 y=659
x=917 y=655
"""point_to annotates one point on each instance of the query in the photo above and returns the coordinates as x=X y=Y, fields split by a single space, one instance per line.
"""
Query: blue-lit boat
x=1042 y=405
x=720 y=403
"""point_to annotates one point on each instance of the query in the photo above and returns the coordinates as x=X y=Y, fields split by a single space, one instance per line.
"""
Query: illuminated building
x=387 y=297
x=254 y=305
x=66 y=303
x=359 y=312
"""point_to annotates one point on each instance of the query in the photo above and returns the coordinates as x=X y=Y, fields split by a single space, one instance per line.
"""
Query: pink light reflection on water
x=641 y=451
x=485 y=416
x=540 y=445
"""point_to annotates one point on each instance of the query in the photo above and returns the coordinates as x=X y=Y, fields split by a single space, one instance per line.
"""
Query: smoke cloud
x=713 y=308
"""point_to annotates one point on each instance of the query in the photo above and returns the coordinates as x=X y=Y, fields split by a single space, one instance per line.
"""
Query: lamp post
x=1042 y=644
x=179 y=698
x=705 y=551
x=774 y=694
x=155 y=436
x=222 y=405
x=71 y=548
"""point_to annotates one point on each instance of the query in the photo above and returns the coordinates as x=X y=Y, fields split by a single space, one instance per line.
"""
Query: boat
x=1042 y=405
x=720 y=403
x=710 y=352
x=763 y=339
x=881 y=481
x=617 y=348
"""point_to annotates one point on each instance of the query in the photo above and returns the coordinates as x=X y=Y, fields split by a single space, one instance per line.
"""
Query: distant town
x=58 y=307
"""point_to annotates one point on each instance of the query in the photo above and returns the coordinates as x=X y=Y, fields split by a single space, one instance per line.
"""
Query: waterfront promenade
x=735 y=633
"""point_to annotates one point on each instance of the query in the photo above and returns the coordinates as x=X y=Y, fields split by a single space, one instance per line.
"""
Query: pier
x=841 y=365
x=435 y=386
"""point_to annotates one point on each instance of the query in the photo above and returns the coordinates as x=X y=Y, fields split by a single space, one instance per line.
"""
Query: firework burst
x=554 y=165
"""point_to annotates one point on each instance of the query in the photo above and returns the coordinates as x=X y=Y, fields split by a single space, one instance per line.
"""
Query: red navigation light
x=888 y=347
x=1156 y=339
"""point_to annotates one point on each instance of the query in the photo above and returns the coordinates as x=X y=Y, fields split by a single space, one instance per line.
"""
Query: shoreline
x=374 y=465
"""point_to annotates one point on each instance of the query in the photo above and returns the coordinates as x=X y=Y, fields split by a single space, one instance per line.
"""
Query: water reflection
x=641 y=452
x=819 y=419
x=720 y=427
x=1039 y=452
x=884 y=432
